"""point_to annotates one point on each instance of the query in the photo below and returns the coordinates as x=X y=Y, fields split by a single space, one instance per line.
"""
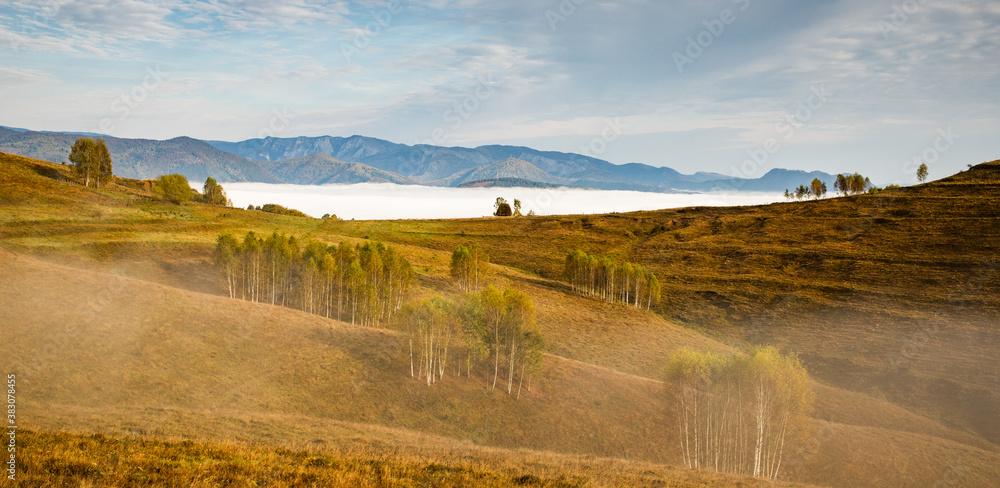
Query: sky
x=730 y=86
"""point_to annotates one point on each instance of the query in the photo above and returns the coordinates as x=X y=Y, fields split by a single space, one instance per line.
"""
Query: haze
x=389 y=201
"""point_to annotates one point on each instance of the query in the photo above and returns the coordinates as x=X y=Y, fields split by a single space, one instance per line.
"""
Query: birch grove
x=605 y=278
x=738 y=413
x=494 y=329
x=364 y=284
x=469 y=266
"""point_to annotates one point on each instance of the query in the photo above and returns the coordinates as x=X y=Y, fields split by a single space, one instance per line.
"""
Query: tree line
x=624 y=282
x=469 y=266
x=367 y=282
x=816 y=190
x=738 y=413
x=496 y=329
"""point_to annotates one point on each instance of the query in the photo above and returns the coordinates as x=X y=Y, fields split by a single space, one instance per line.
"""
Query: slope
x=892 y=294
x=322 y=169
x=126 y=346
x=276 y=355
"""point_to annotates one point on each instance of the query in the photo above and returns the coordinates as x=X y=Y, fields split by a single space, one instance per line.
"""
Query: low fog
x=390 y=201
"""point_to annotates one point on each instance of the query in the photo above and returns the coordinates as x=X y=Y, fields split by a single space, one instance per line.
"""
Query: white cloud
x=10 y=77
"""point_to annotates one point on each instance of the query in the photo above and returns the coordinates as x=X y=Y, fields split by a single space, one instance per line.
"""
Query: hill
x=508 y=168
x=892 y=294
x=506 y=183
x=144 y=344
x=148 y=358
x=321 y=169
x=143 y=158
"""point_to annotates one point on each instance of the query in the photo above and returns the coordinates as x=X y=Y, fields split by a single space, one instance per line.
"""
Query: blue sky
x=730 y=86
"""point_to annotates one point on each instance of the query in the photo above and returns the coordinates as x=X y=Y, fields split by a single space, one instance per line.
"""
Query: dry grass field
x=117 y=325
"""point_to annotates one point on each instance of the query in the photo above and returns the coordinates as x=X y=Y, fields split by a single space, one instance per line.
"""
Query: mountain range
x=359 y=159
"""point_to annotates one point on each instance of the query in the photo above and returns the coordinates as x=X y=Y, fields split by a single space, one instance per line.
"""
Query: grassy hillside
x=141 y=342
x=98 y=460
x=130 y=347
x=893 y=294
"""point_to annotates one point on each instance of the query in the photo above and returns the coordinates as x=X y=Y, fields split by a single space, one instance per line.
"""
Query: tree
x=226 y=257
x=82 y=157
x=431 y=326
x=922 y=172
x=212 y=193
x=102 y=158
x=174 y=188
x=500 y=326
x=469 y=266
x=817 y=188
x=91 y=161
x=370 y=279
x=628 y=283
x=852 y=184
x=517 y=208
x=496 y=205
x=738 y=413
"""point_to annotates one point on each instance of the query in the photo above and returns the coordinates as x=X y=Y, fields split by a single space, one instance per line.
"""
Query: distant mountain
x=509 y=168
x=358 y=159
x=143 y=158
x=435 y=165
x=506 y=183
x=321 y=169
x=774 y=180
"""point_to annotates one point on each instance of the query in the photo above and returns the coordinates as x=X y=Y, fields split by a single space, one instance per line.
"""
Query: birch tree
x=738 y=413
x=605 y=278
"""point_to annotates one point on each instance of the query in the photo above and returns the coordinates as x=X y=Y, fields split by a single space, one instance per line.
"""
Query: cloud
x=10 y=77
x=261 y=15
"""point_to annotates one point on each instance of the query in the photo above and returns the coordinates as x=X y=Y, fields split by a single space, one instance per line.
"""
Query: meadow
x=889 y=299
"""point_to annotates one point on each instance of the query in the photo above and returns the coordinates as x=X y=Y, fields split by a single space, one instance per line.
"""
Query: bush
x=174 y=188
x=280 y=210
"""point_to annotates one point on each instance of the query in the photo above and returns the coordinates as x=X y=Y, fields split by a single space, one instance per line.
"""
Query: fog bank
x=390 y=201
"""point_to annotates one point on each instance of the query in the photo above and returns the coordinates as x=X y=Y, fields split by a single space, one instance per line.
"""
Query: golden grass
x=67 y=459
x=845 y=282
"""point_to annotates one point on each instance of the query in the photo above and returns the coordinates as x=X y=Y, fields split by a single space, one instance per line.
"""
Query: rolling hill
x=143 y=346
